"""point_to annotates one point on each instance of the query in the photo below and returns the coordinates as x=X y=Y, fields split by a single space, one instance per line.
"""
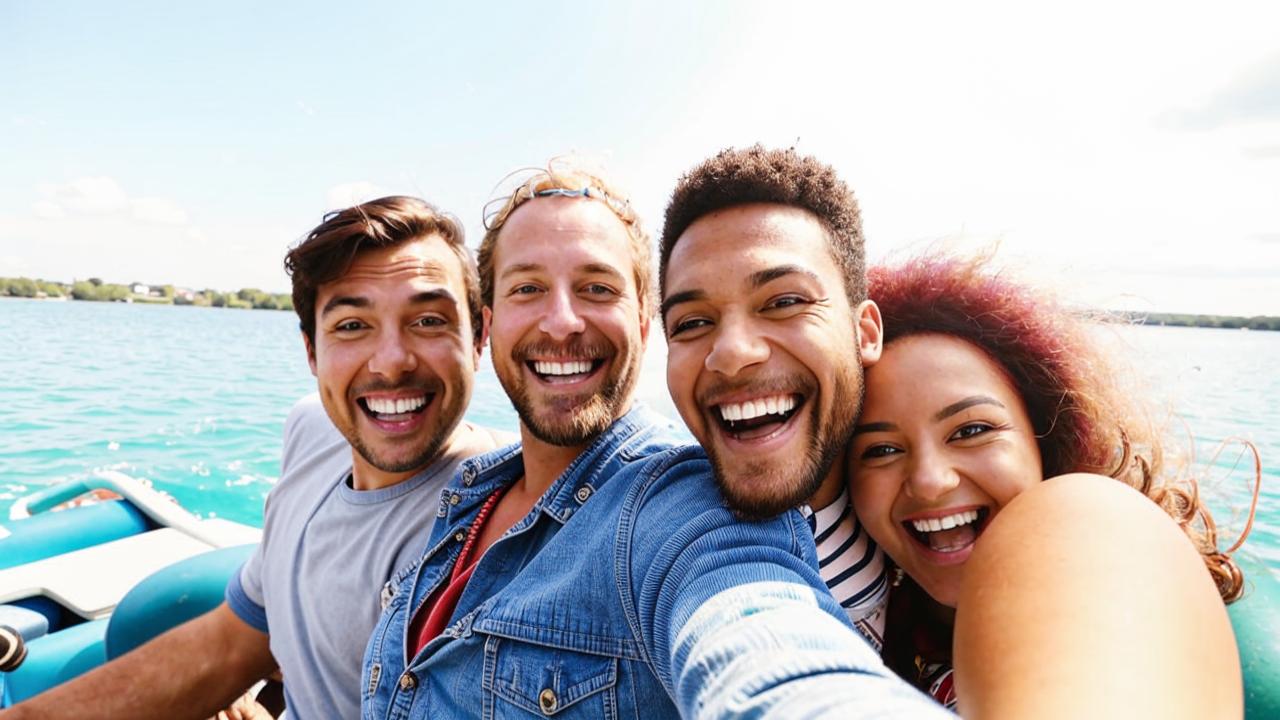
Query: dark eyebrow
x=942 y=414
x=874 y=427
x=768 y=275
x=355 y=301
x=344 y=301
x=757 y=278
x=965 y=404
x=683 y=296
x=429 y=296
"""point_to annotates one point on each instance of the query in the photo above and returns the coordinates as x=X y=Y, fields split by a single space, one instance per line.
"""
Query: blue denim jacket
x=628 y=591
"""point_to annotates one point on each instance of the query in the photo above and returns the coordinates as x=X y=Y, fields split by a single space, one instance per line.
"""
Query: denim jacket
x=628 y=591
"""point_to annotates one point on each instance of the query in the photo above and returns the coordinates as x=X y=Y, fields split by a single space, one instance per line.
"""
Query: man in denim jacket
x=595 y=571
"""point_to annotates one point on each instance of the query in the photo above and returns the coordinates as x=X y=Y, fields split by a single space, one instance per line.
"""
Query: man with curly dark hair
x=768 y=328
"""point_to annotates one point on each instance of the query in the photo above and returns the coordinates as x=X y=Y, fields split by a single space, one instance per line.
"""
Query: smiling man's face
x=395 y=356
x=765 y=353
x=567 y=326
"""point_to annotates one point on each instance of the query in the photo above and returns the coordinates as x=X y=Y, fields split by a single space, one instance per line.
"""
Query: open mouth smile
x=563 y=372
x=946 y=536
x=395 y=414
x=758 y=418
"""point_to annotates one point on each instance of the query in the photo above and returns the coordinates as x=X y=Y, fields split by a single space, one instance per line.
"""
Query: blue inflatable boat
x=86 y=583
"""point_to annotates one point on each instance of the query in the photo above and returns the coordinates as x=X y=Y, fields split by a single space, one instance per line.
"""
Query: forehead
x=425 y=260
x=726 y=246
x=562 y=232
x=952 y=366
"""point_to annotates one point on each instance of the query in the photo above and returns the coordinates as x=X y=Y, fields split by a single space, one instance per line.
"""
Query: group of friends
x=914 y=487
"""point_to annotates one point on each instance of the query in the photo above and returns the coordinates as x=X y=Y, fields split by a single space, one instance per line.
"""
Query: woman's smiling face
x=943 y=443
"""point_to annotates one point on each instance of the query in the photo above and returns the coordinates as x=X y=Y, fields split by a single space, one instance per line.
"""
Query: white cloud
x=103 y=197
x=86 y=195
x=159 y=211
x=48 y=210
x=345 y=195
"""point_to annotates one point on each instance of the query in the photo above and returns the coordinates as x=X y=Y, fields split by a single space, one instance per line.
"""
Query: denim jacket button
x=408 y=681
x=468 y=477
x=455 y=499
x=583 y=493
x=548 y=701
x=459 y=536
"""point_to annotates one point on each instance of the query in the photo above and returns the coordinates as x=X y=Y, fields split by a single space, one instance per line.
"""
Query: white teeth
x=573 y=367
x=945 y=523
x=773 y=405
x=397 y=406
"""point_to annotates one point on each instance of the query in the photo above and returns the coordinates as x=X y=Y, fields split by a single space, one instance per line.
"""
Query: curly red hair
x=1084 y=420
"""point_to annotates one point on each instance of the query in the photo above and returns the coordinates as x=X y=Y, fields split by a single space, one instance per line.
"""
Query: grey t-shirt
x=313 y=583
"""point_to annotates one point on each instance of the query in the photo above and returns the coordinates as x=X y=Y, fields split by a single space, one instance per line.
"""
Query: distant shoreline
x=1225 y=322
x=95 y=290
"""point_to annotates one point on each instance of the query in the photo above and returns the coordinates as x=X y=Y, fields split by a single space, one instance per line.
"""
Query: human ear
x=870 y=332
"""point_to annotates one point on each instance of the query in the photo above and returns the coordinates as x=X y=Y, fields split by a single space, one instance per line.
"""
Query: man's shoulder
x=313 y=449
x=677 y=480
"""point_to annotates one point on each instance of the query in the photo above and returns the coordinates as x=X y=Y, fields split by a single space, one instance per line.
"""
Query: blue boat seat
x=90 y=581
x=172 y=596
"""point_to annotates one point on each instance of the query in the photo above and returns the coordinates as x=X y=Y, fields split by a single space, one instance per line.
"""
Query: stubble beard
x=574 y=420
x=766 y=489
x=447 y=419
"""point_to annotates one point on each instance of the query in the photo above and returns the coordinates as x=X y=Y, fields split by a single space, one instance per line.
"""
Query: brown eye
x=971 y=430
x=878 y=451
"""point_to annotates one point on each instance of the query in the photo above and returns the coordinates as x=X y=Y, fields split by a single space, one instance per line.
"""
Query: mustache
x=428 y=386
x=572 y=350
x=757 y=386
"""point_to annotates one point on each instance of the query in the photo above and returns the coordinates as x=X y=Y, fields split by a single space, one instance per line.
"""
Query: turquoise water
x=193 y=399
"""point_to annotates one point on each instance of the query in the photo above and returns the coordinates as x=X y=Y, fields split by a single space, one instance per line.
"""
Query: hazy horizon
x=1128 y=154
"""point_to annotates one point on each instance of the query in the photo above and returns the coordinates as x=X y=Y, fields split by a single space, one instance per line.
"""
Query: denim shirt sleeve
x=734 y=616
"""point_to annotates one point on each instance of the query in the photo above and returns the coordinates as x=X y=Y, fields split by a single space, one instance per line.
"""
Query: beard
x=387 y=459
x=572 y=420
x=767 y=488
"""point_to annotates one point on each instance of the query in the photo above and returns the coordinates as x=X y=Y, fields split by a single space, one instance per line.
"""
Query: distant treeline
x=1257 y=322
x=95 y=289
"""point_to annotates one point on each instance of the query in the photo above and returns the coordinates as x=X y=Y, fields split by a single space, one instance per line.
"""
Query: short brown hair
x=756 y=175
x=327 y=252
x=564 y=174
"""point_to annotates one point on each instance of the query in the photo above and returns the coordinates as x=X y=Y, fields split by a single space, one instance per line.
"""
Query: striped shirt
x=852 y=565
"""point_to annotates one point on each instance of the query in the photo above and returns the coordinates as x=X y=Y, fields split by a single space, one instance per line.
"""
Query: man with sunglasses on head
x=594 y=570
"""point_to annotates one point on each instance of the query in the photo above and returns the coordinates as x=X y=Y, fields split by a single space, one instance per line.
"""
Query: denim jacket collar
x=481 y=476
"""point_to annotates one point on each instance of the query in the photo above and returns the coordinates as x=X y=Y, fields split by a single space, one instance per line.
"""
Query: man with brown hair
x=593 y=571
x=386 y=294
x=768 y=328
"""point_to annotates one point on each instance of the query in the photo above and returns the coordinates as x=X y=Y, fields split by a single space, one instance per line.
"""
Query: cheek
x=1013 y=474
x=873 y=494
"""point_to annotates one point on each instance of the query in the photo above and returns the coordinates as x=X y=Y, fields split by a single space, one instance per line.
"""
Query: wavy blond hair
x=572 y=176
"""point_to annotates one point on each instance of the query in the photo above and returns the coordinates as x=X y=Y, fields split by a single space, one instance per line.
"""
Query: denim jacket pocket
x=548 y=681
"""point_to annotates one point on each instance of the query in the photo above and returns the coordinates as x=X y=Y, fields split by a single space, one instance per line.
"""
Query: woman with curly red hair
x=1084 y=592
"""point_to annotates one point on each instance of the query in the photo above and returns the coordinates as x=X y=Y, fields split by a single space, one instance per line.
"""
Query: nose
x=561 y=319
x=392 y=358
x=930 y=477
x=735 y=347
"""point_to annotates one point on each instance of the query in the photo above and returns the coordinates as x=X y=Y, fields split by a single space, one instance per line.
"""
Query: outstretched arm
x=738 y=622
x=1084 y=599
x=192 y=671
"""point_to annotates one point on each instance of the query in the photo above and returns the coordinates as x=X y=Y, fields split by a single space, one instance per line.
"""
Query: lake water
x=193 y=400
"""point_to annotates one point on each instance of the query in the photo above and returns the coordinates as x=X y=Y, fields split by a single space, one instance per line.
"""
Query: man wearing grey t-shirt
x=388 y=299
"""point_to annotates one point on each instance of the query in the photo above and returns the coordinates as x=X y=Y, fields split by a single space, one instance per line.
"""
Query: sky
x=1127 y=154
